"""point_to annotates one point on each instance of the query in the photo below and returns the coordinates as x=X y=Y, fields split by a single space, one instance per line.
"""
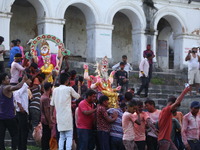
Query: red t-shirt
x=102 y=123
x=165 y=124
x=85 y=122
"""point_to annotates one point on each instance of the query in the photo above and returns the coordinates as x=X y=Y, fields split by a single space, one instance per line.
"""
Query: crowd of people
x=71 y=114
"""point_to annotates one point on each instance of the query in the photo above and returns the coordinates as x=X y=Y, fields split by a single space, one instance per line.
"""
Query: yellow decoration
x=112 y=98
x=47 y=71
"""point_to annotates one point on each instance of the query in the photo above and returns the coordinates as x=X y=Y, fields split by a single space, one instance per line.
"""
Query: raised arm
x=11 y=88
x=179 y=99
x=86 y=74
x=188 y=57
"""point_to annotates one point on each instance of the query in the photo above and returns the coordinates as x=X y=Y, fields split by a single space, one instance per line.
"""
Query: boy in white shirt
x=61 y=99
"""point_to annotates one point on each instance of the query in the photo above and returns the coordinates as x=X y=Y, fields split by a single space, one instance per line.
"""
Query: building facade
x=92 y=29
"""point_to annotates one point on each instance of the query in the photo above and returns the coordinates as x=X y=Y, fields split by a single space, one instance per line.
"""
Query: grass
x=29 y=147
x=157 y=81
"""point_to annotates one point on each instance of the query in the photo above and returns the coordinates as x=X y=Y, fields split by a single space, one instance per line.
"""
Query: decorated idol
x=102 y=82
x=48 y=62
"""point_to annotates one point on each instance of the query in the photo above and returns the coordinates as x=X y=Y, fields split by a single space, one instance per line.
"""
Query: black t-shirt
x=83 y=88
x=120 y=76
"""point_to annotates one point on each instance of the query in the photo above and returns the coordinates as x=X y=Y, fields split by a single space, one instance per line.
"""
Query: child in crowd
x=121 y=77
x=128 y=120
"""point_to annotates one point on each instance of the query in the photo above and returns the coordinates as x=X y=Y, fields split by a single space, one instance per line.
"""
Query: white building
x=92 y=29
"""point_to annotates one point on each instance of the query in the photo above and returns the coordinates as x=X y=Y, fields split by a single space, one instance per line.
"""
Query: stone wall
x=75 y=35
x=23 y=24
x=121 y=38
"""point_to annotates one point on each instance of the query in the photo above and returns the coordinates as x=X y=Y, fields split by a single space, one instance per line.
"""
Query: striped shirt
x=116 y=129
x=35 y=102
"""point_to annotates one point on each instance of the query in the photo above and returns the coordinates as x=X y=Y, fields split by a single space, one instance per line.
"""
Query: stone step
x=29 y=142
x=8 y=140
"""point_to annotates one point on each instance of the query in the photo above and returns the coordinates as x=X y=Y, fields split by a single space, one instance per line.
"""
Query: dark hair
x=34 y=65
x=14 y=42
x=128 y=96
x=122 y=105
x=47 y=85
x=89 y=93
x=18 y=40
x=172 y=99
x=42 y=75
x=102 y=99
x=20 y=79
x=150 y=102
x=124 y=56
x=27 y=70
x=149 y=55
x=64 y=77
x=122 y=63
x=149 y=45
x=139 y=102
x=80 y=78
x=79 y=100
x=29 y=76
x=73 y=73
x=2 y=77
x=18 y=55
x=132 y=103
x=1 y=38
x=132 y=89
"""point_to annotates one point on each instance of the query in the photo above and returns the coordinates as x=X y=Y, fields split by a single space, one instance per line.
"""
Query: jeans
x=46 y=136
x=194 y=146
x=65 y=135
x=152 y=143
x=103 y=140
x=35 y=116
x=166 y=145
x=23 y=130
x=145 y=84
x=12 y=126
x=123 y=89
x=141 y=144
x=86 y=139
x=2 y=67
x=116 y=143
x=150 y=72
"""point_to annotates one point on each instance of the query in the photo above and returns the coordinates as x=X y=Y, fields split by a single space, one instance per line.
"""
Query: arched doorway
x=122 y=43
x=165 y=45
x=74 y=32
x=23 y=22
x=169 y=43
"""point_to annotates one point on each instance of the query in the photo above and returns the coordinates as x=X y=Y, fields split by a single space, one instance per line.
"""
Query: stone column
x=99 y=41
x=5 y=28
x=139 y=42
x=51 y=26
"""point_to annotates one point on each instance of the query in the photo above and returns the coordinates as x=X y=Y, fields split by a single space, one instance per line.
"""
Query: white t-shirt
x=61 y=99
x=193 y=63
x=15 y=70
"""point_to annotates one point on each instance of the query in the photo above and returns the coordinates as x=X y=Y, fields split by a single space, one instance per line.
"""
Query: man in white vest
x=193 y=68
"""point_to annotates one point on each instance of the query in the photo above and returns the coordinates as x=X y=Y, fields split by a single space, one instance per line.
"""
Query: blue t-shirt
x=116 y=129
x=13 y=51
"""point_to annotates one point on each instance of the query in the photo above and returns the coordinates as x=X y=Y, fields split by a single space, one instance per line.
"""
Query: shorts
x=193 y=75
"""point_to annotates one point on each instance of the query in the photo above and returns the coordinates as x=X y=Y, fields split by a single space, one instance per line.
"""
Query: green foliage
x=157 y=81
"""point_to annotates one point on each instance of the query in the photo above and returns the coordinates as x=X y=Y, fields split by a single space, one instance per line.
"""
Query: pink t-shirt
x=85 y=122
x=128 y=120
x=15 y=70
x=140 y=129
x=154 y=118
